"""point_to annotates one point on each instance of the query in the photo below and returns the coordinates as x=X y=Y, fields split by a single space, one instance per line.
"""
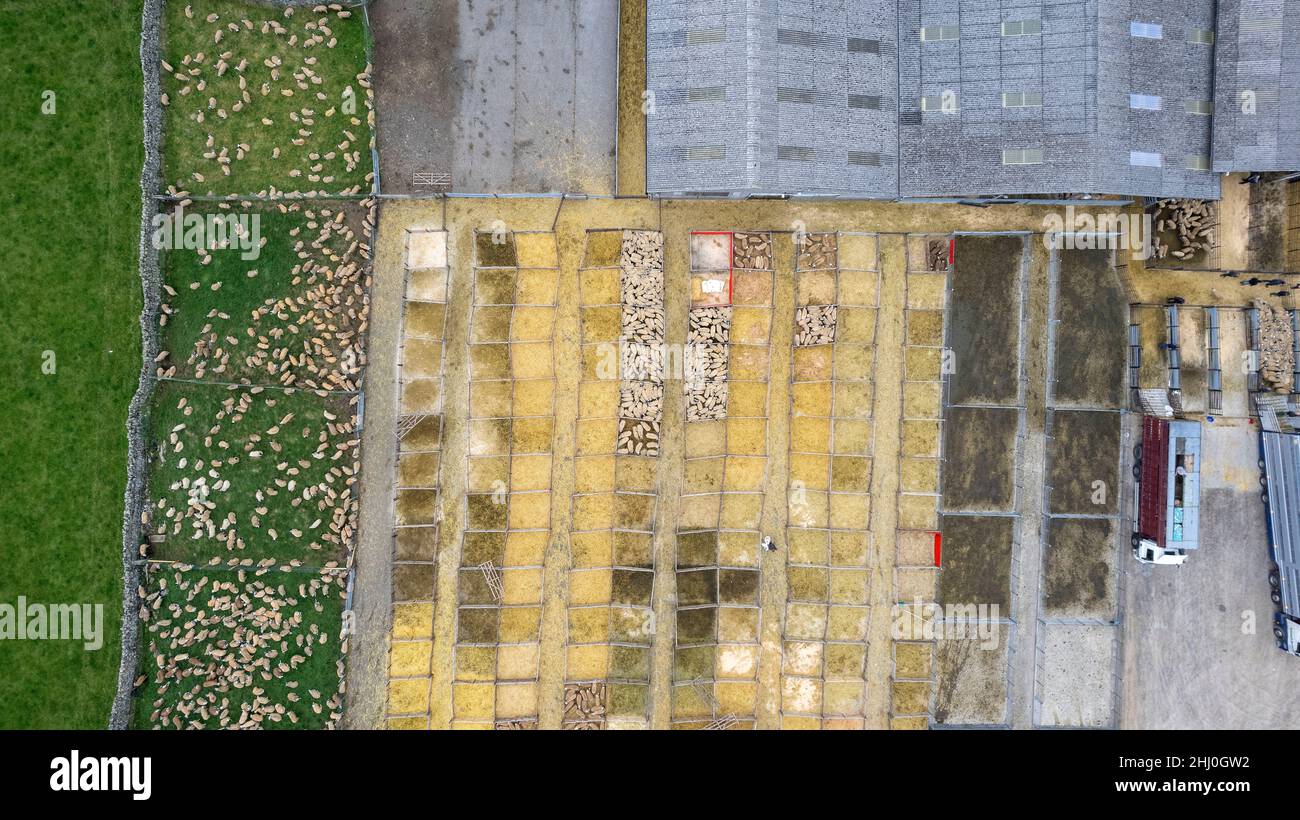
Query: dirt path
x=631 y=86
x=887 y=417
x=372 y=592
x=554 y=633
x=775 y=513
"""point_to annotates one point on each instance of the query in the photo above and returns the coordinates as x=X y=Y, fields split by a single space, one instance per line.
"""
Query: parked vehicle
x=1167 y=466
x=1280 y=462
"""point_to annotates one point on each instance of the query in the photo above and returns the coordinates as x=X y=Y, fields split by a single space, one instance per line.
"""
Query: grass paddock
x=68 y=271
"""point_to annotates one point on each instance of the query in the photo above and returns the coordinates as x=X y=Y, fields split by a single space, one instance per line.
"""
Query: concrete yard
x=1078 y=676
x=1198 y=646
x=496 y=95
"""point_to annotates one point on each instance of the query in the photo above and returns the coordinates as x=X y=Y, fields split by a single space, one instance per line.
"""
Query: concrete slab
x=1031 y=475
x=496 y=96
x=1075 y=683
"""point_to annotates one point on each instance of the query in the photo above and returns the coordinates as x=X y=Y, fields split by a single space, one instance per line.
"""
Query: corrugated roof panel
x=863 y=67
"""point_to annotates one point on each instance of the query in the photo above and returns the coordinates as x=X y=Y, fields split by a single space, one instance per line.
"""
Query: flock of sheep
x=283 y=94
x=309 y=334
x=263 y=458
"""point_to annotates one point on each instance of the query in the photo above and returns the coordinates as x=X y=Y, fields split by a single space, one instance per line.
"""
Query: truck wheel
x=1261 y=464
x=1137 y=539
x=1278 y=632
x=1263 y=481
x=1274 y=580
x=1137 y=469
x=1137 y=452
x=1275 y=596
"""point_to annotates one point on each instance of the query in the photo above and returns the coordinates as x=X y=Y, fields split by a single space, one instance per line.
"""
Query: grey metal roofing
x=825 y=97
x=1257 y=122
x=961 y=153
x=1175 y=68
x=755 y=96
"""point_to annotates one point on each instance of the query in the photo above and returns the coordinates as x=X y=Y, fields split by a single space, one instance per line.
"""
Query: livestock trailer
x=1167 y=466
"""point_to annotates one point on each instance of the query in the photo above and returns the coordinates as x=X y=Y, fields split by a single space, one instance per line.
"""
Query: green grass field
x=256 y=100
x=272 y=465
x=287 y=625
x=68 y=274
x=293 y=116
x=228 y=318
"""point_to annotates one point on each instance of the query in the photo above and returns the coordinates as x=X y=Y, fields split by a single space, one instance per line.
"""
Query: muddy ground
x=1266 y=242
x=1079 y=570
x=977 y=560
x=980 y=458
x=1091 y=367
x=984 y=320
x=1084 y=453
